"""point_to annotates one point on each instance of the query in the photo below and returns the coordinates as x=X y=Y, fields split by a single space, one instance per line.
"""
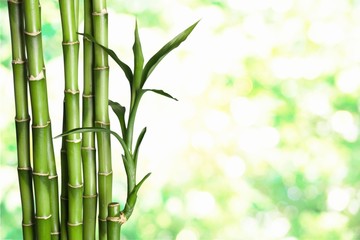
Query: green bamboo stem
x=88 y=139
x=69 y=20
x=41 y=119
x=113 y=224
x=22 y=118
x=64 y=183
x=101 y=86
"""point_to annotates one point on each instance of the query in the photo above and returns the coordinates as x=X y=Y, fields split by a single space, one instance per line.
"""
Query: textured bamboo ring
x=101 y=68
x=103 y=12
x=28 y=224
x=77 y=186
x=41 y=174
x=102 y=220
x=18 y=61
x=24 y=168
x=33 y=34
x=88 y=95
x=71 y=91
x=70 y=43
x=74 y=224
x=55 y=233
x=73 y=140
x=15 y=1
x=105 y=174
x=22 y=120
x=90 y=196
x=43 y=218
x=103 y=123
x=88 y=148
x=120 y=219
x=53 y=176
x=39 y=77
x=41 y=126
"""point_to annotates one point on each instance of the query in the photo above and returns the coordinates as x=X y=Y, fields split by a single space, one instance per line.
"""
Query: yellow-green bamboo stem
x=40 y=115
x=64 y=183
x=113 y=223
x=88 y=139
x=101 y=86
x=22 y=118
x=69 y=19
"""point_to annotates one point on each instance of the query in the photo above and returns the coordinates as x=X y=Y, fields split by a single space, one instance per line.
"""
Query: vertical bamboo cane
x=22 y=118
x=41 y=119
x=64 y=183
x=113 y=224
x=88 y=140
x=101 y=86
x=69 y=15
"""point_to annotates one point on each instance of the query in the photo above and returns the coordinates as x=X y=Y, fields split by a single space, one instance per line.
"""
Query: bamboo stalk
x=88 y=139
x=69 y=20
x=101 y=86
x=41 y=119
x=64 y=183
x=22 y=118
x=113 y=224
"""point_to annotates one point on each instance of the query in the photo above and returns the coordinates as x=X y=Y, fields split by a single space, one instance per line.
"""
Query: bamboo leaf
x=126 y=69
x=167 y=48
x=137 y=146
x=131 y=200
x=158 y=91
x=138 y=59
x=97 y=129
x=120 y=113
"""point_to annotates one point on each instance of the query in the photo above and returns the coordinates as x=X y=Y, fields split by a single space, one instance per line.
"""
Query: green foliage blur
x=264 y=142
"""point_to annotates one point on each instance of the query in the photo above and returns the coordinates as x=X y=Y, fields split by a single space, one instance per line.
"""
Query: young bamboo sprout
x=136 y=81
x=69 y=19
x=41 y=121
x=22 y=118
x=88 y=139
x=101 y=87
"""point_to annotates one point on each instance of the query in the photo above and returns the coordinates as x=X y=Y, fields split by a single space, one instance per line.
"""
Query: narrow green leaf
x=120 y=113
x=138 y=59
x=126 y=69
x=155 y=60
x=158 y=91
x=137 y=146
x=98 y=129
x=131 y=199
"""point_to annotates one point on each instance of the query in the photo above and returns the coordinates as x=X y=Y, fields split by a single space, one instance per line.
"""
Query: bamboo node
x=34 y=34
x=41 y=126
x=28 y=224
x=73 y=140
x=74 y=224
x=53 y=176
x=39 y=77
x=102 y=12
x=70 y=43
x=15 y=1
x=43 y=217
x=88 y=95
x=71 y=91
x=55 y=233
x=100 y=68
x=24 y=168
x=77 y=186
x=88 y=148
x=41 y=174
x=90 y=196
x=120 y=219
x=18 y=61
x=102 y=123
x=105 y=174
x=102 y=220
x=22 y=120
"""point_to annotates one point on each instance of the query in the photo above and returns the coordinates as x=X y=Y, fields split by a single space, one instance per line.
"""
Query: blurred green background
x=264 y=141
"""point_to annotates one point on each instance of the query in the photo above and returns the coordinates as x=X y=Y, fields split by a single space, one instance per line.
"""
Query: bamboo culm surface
x=101 y=89
x=22 y=118
x=69 y=20
x=88 y=139
x=41 y=128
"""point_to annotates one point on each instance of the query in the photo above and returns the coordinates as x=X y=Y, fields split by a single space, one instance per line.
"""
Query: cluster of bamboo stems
x=79 y=183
